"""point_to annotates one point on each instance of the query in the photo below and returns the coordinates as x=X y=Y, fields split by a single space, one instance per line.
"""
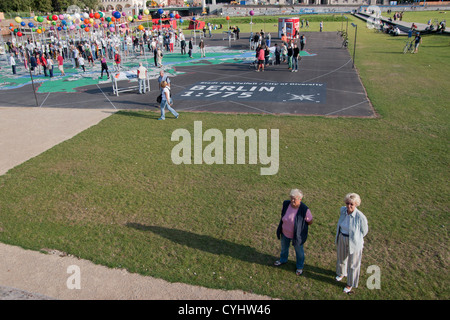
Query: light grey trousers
x=348 y=265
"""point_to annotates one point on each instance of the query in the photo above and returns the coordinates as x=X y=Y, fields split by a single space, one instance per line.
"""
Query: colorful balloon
x=19 y=34
x=54 y=17
x=97 y=15
x=18 y=19
x=252 y=12
x=160 y=11
x=146 y=11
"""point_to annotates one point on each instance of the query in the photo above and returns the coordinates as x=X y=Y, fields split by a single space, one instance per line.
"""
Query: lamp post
x=354 y=45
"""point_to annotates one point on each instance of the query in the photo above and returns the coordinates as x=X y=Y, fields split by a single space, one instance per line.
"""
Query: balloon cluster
x=83 y=21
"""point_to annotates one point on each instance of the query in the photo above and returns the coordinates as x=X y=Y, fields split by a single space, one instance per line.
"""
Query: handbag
x=159 y=98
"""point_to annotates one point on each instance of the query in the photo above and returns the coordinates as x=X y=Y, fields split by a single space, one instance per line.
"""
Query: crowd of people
x=287 y=52
x=40 y=55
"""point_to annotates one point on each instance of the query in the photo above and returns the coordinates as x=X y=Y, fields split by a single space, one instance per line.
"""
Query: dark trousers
x=105 y=69
x=13 y=69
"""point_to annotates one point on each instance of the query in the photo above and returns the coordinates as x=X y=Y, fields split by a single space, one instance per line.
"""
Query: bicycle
x=409 y=47
x=345 y=43
x=342 y=33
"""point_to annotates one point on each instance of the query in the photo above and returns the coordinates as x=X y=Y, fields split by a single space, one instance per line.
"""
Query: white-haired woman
x=352 y=227
x=293 y=226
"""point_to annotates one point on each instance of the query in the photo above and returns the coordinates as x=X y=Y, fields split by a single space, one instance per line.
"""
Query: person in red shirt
x=61 y=64
x=44 y=64
x=117 y=61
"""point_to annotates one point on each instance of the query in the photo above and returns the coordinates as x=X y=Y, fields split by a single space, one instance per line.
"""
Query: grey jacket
x=358 y=229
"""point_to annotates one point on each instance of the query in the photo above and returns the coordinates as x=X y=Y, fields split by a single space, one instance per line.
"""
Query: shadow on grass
x=209 y=244
x=234 y=250
x=138 y=114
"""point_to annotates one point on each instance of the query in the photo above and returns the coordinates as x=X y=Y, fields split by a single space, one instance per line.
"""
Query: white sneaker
x=347 y=289
x=339 y=278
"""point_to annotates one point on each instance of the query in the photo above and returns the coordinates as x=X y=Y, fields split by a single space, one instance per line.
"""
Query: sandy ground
x=26 y=274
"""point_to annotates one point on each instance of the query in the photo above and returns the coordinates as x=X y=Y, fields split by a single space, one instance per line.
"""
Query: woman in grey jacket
x=352 y=227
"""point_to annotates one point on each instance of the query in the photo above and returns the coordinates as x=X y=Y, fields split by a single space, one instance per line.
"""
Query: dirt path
x=25 y=274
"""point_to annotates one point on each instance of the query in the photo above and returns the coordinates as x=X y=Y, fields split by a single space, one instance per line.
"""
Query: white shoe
x=347 y=289
x=339 y=278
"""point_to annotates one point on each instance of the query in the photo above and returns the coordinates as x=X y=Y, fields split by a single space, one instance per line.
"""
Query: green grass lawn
x=112 y=194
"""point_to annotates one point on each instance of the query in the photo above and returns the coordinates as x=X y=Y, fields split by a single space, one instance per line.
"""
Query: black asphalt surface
x=326 y=84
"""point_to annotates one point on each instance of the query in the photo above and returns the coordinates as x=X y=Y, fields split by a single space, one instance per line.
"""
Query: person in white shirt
x=142 y=77
x=81 y=62
x=12 y=62
x=182 y=42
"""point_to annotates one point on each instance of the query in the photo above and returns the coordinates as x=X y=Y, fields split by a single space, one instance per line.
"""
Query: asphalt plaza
x=326 y=84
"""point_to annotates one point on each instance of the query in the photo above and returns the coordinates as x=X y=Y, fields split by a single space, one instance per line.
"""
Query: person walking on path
x=352 y=227
x=166 y=102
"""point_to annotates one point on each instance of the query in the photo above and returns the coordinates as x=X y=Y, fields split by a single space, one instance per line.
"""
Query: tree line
x=45 y=5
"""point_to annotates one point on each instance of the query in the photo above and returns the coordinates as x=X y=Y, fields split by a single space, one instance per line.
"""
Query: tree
x=43 y=5
x=60 y=5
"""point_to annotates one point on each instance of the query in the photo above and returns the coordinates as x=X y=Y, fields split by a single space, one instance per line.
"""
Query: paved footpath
x=26 y=274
